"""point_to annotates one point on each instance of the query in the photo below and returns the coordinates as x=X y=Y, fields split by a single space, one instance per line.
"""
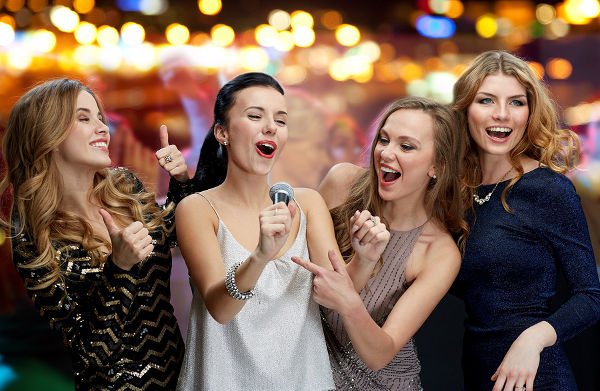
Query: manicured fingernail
x=355 y=228
x=356 y=213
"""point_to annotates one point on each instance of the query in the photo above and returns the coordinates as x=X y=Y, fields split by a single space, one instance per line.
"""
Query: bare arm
x=334 y=189
x=319 y=227
x=377 y=346
x=197 y=223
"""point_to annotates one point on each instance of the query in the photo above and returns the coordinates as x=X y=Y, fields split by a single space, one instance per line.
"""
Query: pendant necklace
x=485 y=199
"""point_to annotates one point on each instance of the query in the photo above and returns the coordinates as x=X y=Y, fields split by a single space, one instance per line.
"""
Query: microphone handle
x=281 y=196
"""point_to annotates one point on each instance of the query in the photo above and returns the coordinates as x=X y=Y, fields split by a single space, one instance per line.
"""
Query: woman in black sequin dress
x=90 y=243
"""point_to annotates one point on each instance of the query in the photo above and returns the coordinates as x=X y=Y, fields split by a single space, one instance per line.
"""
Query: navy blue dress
x=508 y=276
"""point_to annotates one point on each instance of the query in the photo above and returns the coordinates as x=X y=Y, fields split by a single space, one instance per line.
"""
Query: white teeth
x=385 y=169
x=100 y=144
x=503 y=130
x=267 y=145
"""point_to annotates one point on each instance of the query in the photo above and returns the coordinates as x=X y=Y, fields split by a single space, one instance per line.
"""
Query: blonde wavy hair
x=443 y=200
x=543 y=140
x=38 y=123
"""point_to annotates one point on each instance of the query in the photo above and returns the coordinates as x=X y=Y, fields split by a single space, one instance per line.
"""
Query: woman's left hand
x=520 y=364
x=369 y=235
x=332 y=288
x=170 y=158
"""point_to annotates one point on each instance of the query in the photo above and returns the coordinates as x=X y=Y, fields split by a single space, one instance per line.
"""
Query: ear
x=432 y=172
x=221 y=134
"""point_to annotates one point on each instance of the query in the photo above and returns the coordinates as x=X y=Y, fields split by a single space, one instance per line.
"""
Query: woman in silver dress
x=253 y=324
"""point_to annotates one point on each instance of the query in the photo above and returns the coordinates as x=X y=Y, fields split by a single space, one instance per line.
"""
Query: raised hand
x=332 y=288
x=275 y=226
x=130 y=245
x=170 y=158
x=369 y=235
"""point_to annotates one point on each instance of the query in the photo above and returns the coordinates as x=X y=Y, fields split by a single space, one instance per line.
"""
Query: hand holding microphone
x=276 y=221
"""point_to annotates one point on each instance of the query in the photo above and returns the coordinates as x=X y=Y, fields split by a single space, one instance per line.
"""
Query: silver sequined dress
x=382 y=293
x=274 y=343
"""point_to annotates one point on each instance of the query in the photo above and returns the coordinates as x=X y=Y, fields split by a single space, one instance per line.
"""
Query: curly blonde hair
x=443 y=200
x=38 y=123
x=543 y=140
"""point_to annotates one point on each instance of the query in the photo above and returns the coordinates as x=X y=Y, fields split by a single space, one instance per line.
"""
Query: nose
x=386 y=154
x=270 y=127
x=101 y=127
x=501 y=112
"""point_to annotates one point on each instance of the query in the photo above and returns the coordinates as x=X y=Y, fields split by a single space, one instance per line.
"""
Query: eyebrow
x=409 y=138
x=262 y=109
x=89 y=112
x=510 y=97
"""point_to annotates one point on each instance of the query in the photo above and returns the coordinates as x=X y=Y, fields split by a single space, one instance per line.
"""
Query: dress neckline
x=393 y=231
x=293 y=245
x=508 y=180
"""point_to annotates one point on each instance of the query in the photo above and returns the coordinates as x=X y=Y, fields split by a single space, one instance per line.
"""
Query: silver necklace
x=485 y=199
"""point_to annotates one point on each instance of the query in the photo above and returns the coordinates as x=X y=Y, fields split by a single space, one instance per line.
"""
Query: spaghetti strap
x=211 y=205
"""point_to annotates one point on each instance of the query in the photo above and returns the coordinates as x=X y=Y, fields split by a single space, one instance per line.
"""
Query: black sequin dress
x=118 y=325
x=508 y=276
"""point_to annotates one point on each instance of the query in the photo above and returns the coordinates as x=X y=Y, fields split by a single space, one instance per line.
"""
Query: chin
x=385 y=196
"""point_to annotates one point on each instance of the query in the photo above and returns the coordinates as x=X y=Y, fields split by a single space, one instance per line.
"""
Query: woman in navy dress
x=526 y=224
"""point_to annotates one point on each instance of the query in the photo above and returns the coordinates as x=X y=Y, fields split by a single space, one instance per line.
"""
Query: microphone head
x=281 y=191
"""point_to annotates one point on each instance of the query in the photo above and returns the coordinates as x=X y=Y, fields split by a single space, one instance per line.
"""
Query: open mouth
x=103 y=145
x=266 y=148
x=389 y=175
x=497 y=132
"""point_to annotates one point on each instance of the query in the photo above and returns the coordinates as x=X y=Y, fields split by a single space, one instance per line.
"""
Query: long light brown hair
x=442 y=198
x=38 y=123
x=543 y=140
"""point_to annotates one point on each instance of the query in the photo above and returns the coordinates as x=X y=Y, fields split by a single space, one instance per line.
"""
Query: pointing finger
x=311 y=267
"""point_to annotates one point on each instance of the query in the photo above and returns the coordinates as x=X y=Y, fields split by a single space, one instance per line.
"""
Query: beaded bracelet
x=232 y=287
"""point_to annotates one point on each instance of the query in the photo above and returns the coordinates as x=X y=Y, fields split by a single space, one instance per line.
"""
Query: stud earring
x=434 y=176
x=224 y=142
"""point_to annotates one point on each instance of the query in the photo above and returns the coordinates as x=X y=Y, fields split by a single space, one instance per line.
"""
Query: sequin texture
x=382 y=293
x=118 y=325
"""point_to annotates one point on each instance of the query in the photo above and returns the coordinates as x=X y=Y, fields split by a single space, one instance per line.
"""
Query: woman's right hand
x=275 y=226
x=130 y=245
x=369 y=236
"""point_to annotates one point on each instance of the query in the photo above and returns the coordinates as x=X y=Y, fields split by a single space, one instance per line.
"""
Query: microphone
x=281 y=191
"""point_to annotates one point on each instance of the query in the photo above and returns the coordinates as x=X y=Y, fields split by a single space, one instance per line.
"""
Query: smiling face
x=498 y=115
x=404 y=155
x=86 y=146
x=256 y=129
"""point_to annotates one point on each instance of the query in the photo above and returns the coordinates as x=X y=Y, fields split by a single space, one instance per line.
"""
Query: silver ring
x=374 y=220
x=168 y=159
x=275 y=211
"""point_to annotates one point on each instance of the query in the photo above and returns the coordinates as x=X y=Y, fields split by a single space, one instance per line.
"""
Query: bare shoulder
x=335 y=186
x=435 y=252
x=306 y=197
x=195 y=207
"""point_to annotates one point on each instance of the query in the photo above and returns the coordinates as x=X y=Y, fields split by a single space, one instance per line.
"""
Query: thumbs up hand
x=170 y=158
x=130 y=245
